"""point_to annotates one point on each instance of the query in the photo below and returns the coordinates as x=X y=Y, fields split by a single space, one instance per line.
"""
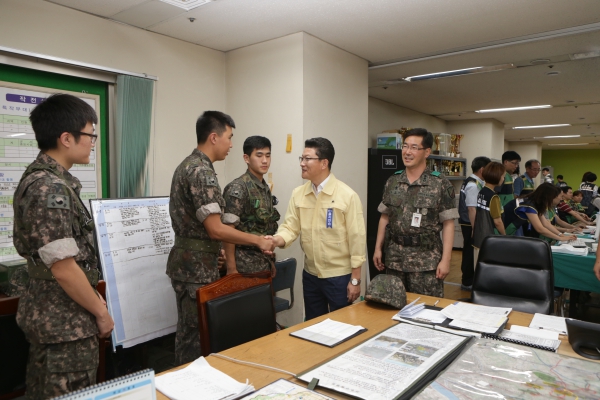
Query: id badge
x=416 y=220
x=329 y=220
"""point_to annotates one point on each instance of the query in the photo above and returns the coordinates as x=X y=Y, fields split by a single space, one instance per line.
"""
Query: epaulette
x=398 y=172
x=435 y=173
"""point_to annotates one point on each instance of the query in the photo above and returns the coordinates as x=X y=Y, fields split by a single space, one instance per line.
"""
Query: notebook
x=136 y=386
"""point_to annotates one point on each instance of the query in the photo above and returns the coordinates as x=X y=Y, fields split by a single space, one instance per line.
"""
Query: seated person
x=560 y=183
x=589 y=190
x=529 y=212
x=567 y=213
x=575 y=202
x=488 y=213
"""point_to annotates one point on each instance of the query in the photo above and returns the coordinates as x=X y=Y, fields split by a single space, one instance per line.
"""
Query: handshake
x=267 y=244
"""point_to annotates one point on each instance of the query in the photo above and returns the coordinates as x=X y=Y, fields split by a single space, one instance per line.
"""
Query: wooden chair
x=234 y=310
x=14 y=350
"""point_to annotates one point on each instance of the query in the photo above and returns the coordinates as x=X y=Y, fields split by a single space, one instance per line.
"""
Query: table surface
x=280 y=350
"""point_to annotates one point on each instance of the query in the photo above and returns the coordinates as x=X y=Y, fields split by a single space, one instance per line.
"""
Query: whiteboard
x=134 y=239
x=18 y=149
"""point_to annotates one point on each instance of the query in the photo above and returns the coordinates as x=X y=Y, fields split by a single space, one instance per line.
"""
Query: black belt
x=407 y=240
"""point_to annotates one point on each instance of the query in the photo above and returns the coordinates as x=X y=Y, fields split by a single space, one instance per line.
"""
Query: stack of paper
x=476 y=318
x=411 y=309
x=549 y=323
x=568 y=249
x=537 y=337
x=329 y=333
x=200 y=380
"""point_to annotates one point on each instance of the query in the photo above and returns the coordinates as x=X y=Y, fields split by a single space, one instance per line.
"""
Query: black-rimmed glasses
x=92 y=135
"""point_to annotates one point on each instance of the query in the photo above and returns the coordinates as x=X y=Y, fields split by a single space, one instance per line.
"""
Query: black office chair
x=284 y=279
x=14 y=350
x=234 y=310
x=515 y=272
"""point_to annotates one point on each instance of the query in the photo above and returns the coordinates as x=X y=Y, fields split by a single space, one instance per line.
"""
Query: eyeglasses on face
x=92 y=135
x=307 y=159
x=414 y=147
x=515 y=162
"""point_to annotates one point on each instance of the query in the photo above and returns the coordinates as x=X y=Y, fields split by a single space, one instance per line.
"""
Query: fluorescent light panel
x=513 y=109
x=568 y=144
x=443 y=74
x=187 y=5
x=540 y=126
x=556 y=137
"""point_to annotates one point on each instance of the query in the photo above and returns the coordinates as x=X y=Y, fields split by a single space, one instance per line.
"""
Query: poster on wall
x=18 y=148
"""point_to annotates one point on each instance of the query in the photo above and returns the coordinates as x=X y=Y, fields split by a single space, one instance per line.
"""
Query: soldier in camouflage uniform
x=18 y=282
x=60 y=313
x=417 y=205
x=249 y=199
x=196 y=207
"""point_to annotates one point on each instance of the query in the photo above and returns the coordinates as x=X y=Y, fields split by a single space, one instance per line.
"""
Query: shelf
x=438 y=157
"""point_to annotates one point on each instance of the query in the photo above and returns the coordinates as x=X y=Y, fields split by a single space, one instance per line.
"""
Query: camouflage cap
x=387 y=289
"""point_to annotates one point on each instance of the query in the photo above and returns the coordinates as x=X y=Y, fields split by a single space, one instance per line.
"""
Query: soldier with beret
x=250 y=200
x=417 y=205
x=60 y=312
x=196 y=207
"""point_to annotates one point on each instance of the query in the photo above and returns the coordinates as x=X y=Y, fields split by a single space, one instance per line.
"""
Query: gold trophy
x=437 y=144
x=458 y=137
x=453 y=146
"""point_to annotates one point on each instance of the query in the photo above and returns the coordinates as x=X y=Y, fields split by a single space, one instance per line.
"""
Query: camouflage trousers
x=59 y=368
x=420 y=282
x=187 y=337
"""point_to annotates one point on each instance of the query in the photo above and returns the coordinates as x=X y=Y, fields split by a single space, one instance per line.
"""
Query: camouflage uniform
x=192 y=263
x=252 y=203
x=18 y=282
x=51 y=224
x=413 y=253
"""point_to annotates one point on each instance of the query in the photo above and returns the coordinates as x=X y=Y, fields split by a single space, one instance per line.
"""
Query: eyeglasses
x=307 y=159
x=412 y=148
x=93 y=136
x=514 y=162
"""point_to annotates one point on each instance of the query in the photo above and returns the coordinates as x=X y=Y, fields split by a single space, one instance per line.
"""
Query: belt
x=407 y=240
x=253 y=248
x=206 y=246
x=37 y=271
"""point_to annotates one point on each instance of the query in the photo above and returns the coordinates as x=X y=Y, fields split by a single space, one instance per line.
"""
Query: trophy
x=458 y=137
x=453 y=146
x=437 y=144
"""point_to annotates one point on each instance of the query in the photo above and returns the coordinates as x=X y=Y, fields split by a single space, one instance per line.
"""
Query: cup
x=594 y=247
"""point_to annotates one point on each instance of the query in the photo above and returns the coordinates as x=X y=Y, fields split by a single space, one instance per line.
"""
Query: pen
x=435 y=304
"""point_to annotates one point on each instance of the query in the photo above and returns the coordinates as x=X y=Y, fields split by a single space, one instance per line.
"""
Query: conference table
x=282 y=351
x=575 y=273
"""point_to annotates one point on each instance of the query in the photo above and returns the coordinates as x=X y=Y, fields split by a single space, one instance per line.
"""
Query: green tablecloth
x=575 y=272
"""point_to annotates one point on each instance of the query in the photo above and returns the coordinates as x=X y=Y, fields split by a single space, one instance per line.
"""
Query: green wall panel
x=572 y=163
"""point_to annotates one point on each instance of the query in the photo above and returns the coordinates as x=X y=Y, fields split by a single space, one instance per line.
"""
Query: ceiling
x=402 y=38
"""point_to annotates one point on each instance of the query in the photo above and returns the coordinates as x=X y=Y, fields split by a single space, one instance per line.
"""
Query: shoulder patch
x=59 y=201
x=211 y=181
x=450 y=191
x=435 y=173
x=236 y=193
x=398 y=172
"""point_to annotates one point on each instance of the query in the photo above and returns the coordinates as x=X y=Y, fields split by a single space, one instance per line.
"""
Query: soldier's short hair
x=510 y=156
x=565 y=189
x=529 y=163
x=424 y=133
x=255 y=143
x=493 y=172
x=323 y=148
x=212 y=121
x=57 y=114
x=479 y=162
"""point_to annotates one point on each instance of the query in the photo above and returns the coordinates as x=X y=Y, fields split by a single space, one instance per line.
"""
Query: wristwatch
x=355 y=282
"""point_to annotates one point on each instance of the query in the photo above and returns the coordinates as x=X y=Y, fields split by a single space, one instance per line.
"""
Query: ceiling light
x=187 y=5
x=568 y=144
x=513 y=109
x=581 y=56
x=540 y=61
x=556 y=137
x=540 y=126
x=552 y=73
x=457 y=72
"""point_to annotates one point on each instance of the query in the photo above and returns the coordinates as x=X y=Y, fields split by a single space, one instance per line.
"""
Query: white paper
x=553 y=344
x=539 y=333
x=549 y=322
x=568 y=249
x=328 y=332
x=200 y=380
x=474 y=314
x=461 y=324
x=426 y=316
x=285 y=390
x=387 y=364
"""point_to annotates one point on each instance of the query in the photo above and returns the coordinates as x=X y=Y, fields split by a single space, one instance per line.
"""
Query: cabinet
x=453 y=168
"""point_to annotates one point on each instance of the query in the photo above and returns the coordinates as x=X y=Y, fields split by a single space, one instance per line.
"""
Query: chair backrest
x=285 y=277
x=234 y=310
x=14 y=350
x=514 y=272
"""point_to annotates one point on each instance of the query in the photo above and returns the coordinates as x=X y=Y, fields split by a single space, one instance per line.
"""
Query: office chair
x=234 y=310
x=14 y=350
x=102 y=343
x=515 y=272
x=284 y=279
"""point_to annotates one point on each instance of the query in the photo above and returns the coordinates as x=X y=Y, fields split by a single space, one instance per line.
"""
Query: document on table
x=476 y=318
x=425 y=316
x=286 y=390
x=549 y=322
x=329 y=333
x=526 y=339
x=200 y=378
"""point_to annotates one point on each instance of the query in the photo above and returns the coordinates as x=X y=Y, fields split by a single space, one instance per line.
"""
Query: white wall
x=527 y=151
x=191 y=77
x=482 y=137
x=385 y=116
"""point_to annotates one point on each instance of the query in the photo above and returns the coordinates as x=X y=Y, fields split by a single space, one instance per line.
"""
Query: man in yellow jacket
x=327 y=215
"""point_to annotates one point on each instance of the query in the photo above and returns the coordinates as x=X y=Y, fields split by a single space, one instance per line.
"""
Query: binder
x=521 y=342
x=139 y=385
